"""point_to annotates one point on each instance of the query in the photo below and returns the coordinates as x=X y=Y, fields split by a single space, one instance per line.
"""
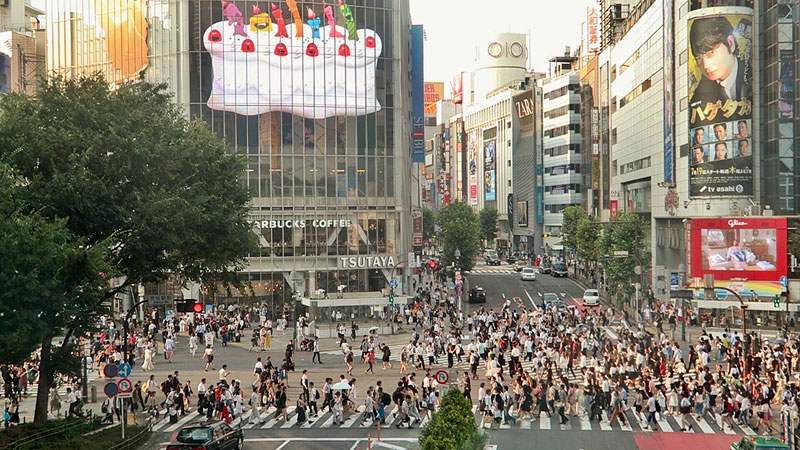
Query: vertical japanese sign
x=417 y=96
x=721 y=103
x=593 y=30
x=490 y=169
x=669 y=94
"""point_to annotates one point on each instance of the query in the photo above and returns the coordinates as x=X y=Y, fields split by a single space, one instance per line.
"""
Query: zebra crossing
x=709 y=424
x=488 y=270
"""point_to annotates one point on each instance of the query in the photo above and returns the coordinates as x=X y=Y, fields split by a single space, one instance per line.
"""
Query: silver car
x=528 y=274
x=591 y=297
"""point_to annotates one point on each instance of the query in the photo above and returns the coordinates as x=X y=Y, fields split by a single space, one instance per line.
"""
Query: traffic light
x=776 y=301
x=198 y=307
x=433 y=265
x=391 y=298
x=545 y=235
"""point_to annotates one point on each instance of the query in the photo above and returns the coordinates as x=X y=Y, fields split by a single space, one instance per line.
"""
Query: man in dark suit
x=725 y=74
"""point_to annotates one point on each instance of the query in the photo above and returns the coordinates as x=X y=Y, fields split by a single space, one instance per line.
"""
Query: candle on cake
x=260 y=21
x=332 y=22
x=348 y=20
x=298 y=21
x=314 y=22
x=278 y=15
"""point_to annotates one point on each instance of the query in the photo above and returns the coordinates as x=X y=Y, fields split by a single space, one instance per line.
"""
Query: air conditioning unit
x=755 y=210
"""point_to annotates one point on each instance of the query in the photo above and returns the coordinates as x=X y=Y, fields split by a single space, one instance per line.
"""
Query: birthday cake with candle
x=276 y=62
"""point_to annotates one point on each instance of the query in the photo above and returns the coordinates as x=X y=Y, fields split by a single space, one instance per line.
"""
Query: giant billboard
x=669 y=95
x=721 y=102
x=472 y=161
x=279 y=61
x=490 y=169
x=744 y=249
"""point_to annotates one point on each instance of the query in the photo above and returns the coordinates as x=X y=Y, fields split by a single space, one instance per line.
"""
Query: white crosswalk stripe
x=707 y=424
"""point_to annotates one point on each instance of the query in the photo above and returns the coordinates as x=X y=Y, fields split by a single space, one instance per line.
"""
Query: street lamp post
x=461 y=309
x=294 y=279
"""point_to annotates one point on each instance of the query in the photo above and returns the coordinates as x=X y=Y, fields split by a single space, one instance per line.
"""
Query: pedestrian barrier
x=88 y=421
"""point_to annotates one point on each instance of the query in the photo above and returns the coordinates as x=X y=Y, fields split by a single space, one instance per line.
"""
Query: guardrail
x=136 y=439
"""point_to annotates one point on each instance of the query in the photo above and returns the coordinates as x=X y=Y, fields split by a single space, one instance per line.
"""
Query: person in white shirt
x=223 y=373
x=193 y=345
x=169 y=348
x=73 y=403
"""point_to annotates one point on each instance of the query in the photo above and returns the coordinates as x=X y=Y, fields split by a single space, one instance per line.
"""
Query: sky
x=454 y=27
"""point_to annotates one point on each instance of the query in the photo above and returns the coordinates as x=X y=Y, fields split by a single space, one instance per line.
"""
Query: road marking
x=526 y=424
x=355 y=415
x=605 y=425
x=285 y=443
x=355 y=445
x=274 y=421
x=540 y=294
x=704 y=425
x=180 y=423
x=624 y=426
x=563 y=295
x=663 y=425
x=586 y=424
x=531 y=299
x=544 y=421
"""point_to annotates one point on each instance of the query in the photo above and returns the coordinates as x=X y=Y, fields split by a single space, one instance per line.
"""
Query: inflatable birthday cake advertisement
x=282 y=58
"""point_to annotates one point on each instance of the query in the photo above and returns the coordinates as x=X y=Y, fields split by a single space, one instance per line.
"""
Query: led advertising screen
x=669 y=97
x=749 y=248
x=472 y=156
x=297 y=61
x=490 y=169
x=721 y=103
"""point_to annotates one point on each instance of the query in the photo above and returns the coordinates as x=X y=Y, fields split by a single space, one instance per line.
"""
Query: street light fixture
x=294 y=279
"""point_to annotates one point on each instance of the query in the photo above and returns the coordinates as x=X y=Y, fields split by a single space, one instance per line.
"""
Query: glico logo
x=735 y=223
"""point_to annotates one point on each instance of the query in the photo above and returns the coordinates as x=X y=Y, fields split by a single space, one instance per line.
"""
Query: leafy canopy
x=488 y=221
x=460 y=230
x=453 y=426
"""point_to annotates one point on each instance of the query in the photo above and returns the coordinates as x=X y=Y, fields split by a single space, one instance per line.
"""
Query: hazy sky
x=453 y=28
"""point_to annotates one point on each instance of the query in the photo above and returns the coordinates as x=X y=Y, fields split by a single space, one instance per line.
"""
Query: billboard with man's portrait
x=721 y=102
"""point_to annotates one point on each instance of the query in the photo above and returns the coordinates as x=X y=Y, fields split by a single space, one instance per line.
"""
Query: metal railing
x=137 y=439
x=88 y=420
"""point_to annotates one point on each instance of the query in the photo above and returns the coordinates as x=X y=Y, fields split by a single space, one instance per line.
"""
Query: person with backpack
x=313 y=396
x=384 y=401
x=387 y=353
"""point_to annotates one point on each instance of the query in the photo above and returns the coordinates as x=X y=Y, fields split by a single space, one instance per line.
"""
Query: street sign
x=452 y=284
x=110 y=371
x=682 y=293
x=784 y=281
x=459 y=292
x=160 y=300
x=417 y=241
x=621 y=253
x=393 y=283
x=442 y=377
x=124 y=385
x=125 y=395
x=458 y=277
x=111 y=389
x=124 y=370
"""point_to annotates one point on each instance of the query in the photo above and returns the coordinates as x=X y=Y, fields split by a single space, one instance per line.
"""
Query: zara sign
x=366 y=262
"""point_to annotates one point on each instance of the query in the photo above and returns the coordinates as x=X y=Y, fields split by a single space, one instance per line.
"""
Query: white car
x=528 y=274
x=591 y=297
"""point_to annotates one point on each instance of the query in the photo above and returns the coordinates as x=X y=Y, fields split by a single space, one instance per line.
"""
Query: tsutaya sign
x=366 y=262
x=302 y=223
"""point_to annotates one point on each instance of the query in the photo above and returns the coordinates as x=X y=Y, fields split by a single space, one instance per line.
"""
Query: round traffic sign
x=110 y=371
x=124 y=385
x=124 y=370
x=110 y=389
x=442 y=377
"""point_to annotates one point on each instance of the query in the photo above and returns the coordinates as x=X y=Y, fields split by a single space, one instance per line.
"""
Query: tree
x=460 y=230
x=453 y=426
x=488 y=221
x=572 y=218
x=48 y=277
x=587 y=236
x=428 y=223
x=622 y=234
x=123 y=167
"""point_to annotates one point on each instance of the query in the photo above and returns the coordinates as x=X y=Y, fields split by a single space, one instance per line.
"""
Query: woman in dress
x=55 y=402
x=208 y=354
x=148 y=365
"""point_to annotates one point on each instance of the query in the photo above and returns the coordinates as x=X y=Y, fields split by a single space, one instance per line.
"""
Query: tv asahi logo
x=366 y=262
x=735 y=223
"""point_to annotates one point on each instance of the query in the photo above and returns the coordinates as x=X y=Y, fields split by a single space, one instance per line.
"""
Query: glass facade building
x=323 y=119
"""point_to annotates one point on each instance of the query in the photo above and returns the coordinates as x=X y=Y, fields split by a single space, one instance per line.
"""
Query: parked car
x=208 y=436
x=591 y=297
x=759 y=443
x=560 y=270
x=546 y=268
x=528 y=274
x=477 y=295
x=492 y=259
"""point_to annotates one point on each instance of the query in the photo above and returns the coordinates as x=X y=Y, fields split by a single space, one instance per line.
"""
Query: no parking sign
x=442 y=377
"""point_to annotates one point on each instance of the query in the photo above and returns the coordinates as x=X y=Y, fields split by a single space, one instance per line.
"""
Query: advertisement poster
x=522 y=214
x=490 y=169
x=748 y=248
x=669 y=95
x=721 y=104
x=315 y=70
x=434 y=91
x=472 y=155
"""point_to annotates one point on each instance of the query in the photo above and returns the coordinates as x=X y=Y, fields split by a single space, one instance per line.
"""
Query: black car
x=477 y=295
x=209 y=436
x=559 y=270
x=545 y=268
x=511 y=259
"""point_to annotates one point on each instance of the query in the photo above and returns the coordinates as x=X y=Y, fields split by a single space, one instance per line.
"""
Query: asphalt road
x=497 y=284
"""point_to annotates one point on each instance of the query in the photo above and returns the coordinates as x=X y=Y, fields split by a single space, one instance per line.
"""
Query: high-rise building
x=561 y=145
x=22 y=46
x=318 y=100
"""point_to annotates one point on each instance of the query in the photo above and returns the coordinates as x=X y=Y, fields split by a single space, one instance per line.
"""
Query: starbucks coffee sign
x=366 y=262
x=302 y=223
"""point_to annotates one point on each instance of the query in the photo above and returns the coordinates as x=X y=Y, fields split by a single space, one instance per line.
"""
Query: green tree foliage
x=573 y=216
x=49 y=279
x=460 y=230
x=488 y=221
x=453 y=426
x=587 y=238
x=428 y=223
x=620 y=235
x=124 y=167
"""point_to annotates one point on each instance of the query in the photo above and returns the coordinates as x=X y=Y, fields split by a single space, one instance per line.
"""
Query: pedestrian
x=208 y=354
x=685 y=410
x=315 y=356
x=169 y=348
x=370 y=359
x=73 y=403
